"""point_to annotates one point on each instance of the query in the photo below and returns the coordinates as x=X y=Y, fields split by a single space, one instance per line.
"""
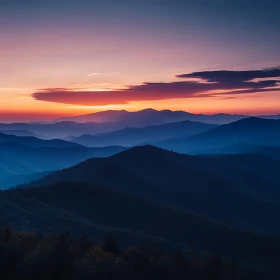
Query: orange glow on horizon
x=17 y=104
x=50 y=111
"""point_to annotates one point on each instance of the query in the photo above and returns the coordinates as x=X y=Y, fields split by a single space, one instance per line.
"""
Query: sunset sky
x=69 y=57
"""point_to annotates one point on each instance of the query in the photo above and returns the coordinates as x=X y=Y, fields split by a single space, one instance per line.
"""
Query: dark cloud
x=222 y=82
x=224 y=76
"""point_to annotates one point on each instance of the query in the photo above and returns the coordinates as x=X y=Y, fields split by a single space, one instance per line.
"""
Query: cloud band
x=221 y=82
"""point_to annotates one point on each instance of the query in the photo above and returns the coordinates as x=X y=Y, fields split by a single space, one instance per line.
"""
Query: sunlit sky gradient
x=101 y=45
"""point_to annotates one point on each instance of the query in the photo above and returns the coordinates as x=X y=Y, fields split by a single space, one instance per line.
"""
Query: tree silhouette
x=109 y=245
x=7 y=234
x=179 y=260
x=84 y=243
x=64 y=260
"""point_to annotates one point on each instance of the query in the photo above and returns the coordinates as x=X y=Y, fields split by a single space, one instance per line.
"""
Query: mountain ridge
x=131 y=136
x=251 y=130
x=185 y=182
x=167 y=115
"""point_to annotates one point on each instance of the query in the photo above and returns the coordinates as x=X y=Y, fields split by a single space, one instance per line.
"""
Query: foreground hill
x=132 y=136
x=80 y=207
x=255 y=131
x=219 y=188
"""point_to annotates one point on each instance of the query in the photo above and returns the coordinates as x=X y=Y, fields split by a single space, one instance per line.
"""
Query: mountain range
x=59 y=130
x=200 y=186
x=30 y=155
x=132 y=136
x=24 y=133
x=151 y=117
x=109 y=121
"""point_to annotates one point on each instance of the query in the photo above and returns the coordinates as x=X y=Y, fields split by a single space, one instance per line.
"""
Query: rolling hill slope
x=255 y=131
x=81 y=207
x=245 y=148
x=215 y=187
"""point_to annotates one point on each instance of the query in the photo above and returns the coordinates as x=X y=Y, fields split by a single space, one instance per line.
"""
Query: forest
x=28 y=255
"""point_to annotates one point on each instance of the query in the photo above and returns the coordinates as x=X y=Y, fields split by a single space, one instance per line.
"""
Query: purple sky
x=73 y=57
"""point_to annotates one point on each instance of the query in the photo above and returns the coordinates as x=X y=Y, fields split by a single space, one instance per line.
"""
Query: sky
x=65 y=57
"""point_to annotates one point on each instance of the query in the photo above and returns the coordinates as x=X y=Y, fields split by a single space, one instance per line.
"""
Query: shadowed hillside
x=218 y=187
x=81 y=207
x=255 y=131
x=245 y=148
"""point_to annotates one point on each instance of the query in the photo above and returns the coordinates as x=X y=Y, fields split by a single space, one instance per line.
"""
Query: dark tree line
x=38 y=256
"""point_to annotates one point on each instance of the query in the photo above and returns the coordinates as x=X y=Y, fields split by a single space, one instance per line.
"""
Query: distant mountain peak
x=148 y=110
x=142 y=148
x=145 y=148
x=145 y=151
